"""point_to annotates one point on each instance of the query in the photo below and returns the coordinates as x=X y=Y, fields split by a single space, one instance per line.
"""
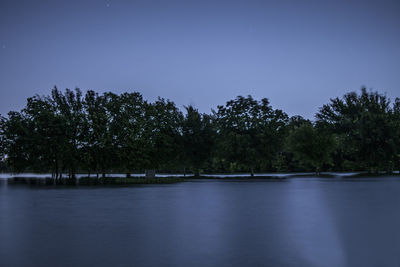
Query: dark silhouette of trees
x=129 y=124
x=396 y=133
x=97 y=150
x=69 y=132
x=17 y=141
x=365 y=125
x=163 y=132
x=69 y=107
x=250 y=132
x=312 y=145
x=198 y=136
x=46 y=132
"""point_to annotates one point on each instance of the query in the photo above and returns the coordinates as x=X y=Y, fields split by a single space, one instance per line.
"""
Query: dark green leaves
x=69 y=132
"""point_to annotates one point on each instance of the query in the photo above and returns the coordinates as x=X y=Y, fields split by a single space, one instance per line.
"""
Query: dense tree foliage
x=163 y=134
x=366 y=124
x=250 y=133
x=312 y=145
x=69 y=132
x=198 y=135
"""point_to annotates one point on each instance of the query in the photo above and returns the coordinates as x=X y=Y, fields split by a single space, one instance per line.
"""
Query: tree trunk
x=317 y=171
x=73 y=173
x=56 y=169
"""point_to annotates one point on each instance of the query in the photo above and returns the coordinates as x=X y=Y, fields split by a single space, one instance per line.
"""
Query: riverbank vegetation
x=94 y=181
x=74 y=132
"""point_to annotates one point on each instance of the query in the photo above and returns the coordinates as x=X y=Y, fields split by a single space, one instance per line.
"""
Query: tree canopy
x=366 y=124
x=69 y=131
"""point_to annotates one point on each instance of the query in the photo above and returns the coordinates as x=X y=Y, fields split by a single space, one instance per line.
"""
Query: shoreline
x=140 y=180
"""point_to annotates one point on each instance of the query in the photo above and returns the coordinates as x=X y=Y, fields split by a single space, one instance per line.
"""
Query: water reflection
x=313 y=228
x=293 y=222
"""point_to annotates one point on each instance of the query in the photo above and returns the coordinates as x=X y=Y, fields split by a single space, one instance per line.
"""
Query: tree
x=97 y=150
x=311 y=145
x=2 y=139
x=396 y=132
x=16 y=142
x=250 y=132
x=69 y=132
x=285 y=160
x=163 y=134
x=198 y=138
x=47 y=138
x=131 y=136
x=363 y=123
x=69 y=107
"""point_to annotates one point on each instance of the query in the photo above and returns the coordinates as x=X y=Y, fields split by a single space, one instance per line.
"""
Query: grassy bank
x=87 y=181
x=233 y=177
x=94 y=181
x=128 y=181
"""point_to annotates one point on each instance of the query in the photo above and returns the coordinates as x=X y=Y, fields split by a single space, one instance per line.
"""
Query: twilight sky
x=296 y=53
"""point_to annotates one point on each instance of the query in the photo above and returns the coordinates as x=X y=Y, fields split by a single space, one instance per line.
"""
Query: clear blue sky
x=296 y=53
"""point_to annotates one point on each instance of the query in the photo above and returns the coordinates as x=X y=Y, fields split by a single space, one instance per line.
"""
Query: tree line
x=73 y=132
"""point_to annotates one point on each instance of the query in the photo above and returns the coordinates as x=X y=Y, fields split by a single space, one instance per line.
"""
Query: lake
x=289 y=222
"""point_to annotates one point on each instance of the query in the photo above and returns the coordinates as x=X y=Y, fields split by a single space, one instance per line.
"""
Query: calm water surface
x=293 y=222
